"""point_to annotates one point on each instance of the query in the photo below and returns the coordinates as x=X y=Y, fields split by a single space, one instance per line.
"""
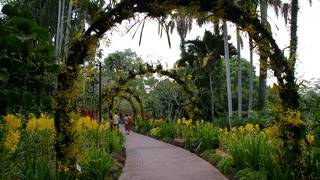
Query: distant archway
x=128 y=96
x=122 y=86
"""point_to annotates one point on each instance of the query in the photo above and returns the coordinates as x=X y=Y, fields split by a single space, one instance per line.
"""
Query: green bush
x=251 y=151
x=202 y=137
x=225 y=164
x=155 y=132
x=142 y=126
x=114 y=141
x=167 y=131
x=251 y=174
x=97 y=165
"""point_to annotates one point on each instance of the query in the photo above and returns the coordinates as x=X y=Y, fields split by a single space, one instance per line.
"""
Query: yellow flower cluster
x=85 y=123
x=13 y=122
x=158 y=122
x=310 y=138
x=292 y=117
x=272 y=131
x=185 y=122
x=44 y=122
x=12 y=140
x=104 y=125
x=200 y=123
x=12 y=137
x=249 y=128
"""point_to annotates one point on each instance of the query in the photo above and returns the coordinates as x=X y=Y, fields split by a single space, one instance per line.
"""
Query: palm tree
x=184 y=25
x=250 y=79
x=263 y=59
x=239 y=72
x=226 y=56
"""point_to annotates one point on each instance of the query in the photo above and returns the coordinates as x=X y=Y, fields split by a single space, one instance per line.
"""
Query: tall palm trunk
x=57 y=38
x=212 y=95
x=227 y=59
x=62 y=28
x=250 y=79
x=239 y=74
x=263 y=59
x=67 y=38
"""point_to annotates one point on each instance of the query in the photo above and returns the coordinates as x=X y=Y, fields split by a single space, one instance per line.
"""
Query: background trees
x=27 y=58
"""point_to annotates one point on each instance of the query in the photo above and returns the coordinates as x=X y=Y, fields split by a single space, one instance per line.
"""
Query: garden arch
x=83 y=47
x=191 y=107
x=127 y=95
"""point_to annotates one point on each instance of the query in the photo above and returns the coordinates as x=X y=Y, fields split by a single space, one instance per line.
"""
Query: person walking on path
x=116 y=121
x=128 y=123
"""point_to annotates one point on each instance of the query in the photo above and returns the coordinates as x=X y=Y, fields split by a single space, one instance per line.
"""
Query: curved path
x=150 y=159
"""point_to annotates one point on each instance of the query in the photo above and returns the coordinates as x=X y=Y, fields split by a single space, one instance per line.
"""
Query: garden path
x=150 y=159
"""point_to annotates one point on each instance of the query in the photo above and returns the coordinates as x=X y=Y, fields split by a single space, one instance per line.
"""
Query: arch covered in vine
x=127 y=95
x=123 y=86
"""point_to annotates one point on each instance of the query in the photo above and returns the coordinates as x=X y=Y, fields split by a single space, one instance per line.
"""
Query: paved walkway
x=150 y=159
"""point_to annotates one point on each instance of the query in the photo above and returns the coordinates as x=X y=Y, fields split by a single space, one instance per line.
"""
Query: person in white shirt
x=116 y=121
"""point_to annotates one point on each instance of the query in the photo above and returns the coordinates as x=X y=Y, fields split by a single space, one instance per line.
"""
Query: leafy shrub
x=251 y=174
x=167 y=131
x=155 y=132
x=114 y=141
x=202 y=137
x=142 y=126
x=97 y=165
x=225 y=164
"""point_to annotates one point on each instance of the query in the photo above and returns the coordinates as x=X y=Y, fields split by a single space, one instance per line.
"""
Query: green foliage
x=142 y=126
x=97 y=166
x=225 y=164
x=251 y=151
x=155 y=132
x=202 y=137
x=114 y=141
x=27 y=58
x=167 y=131
x=251 y=174
x=211 y=156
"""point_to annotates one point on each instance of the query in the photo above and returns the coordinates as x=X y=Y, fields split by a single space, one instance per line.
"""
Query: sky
x=153 y=48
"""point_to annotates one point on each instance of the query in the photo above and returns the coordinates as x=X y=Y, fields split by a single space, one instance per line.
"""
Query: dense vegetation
x=55 y=86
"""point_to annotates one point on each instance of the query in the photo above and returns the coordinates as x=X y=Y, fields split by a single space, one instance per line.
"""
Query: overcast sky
x=153 y=48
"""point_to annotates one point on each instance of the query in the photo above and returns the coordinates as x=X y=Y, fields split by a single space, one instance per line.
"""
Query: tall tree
x=250 y=79
x=184 y=25
x=227 y=59
x=239 y=72
x=263 y=59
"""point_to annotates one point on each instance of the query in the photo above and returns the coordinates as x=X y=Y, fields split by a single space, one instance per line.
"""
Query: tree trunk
x=66 y=41
x=290 y=91
x=250 y=79
x=239 y=74
x=57 y=39
x=226 y=56
x=65 y=141
x=61 y=29
x=263 y=60
x=212 y=96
